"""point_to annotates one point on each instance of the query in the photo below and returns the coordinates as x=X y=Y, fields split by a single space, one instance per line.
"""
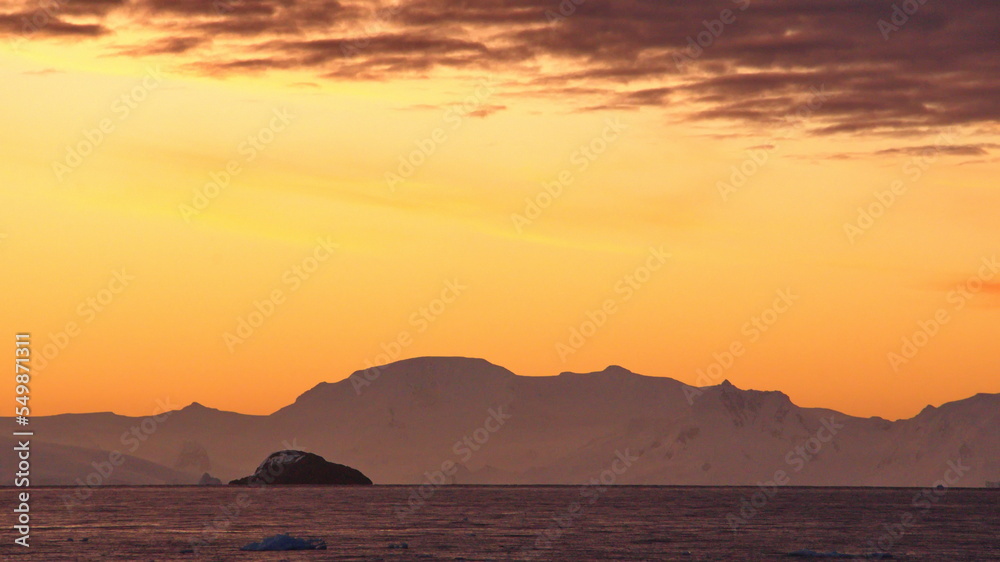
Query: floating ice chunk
x=806 y=553
x=285 y=542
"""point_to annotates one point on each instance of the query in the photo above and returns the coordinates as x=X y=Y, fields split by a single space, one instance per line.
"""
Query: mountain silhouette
x=405 y=422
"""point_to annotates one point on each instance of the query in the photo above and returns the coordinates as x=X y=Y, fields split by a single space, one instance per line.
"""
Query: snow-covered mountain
x=469 y=421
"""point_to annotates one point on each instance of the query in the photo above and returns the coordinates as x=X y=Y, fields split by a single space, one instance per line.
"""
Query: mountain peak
x=610 y=370
x=198 y=407
x=436 y=368
x=405 y=375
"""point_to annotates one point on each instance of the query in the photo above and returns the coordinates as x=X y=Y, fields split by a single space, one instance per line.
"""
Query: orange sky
x=138 y=277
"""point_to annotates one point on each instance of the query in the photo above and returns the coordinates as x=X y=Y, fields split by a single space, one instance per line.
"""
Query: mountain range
x=468 y=421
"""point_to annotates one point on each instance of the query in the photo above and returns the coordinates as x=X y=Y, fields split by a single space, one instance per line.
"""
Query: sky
x=229 y=202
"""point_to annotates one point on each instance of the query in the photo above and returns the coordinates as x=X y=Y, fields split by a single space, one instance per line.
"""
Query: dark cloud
x=240 y=8
x=167 y=46
x=31 y=25
x=887 y=72
x=97 y=8
x=925 y=150
x=648 y=96
x=981 y=149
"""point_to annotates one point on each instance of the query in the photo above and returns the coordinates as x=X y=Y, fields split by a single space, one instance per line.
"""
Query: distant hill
x=56 y=465
x=472 y=422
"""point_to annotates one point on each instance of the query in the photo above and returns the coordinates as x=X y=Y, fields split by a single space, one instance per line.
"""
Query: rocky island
x=287 y=468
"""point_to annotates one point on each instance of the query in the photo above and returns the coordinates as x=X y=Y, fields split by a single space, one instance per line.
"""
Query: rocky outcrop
x=286 y=468
x=209 y=480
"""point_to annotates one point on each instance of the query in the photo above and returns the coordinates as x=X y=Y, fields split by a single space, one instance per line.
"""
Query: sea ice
x=285 y=542
x=806 y=553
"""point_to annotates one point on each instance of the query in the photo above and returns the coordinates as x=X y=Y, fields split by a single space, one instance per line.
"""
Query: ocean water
x=507 y=523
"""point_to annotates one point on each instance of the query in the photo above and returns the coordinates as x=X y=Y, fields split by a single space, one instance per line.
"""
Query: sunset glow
x=229 y=203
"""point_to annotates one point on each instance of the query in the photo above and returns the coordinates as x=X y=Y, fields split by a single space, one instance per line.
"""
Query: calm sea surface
x=507 y=523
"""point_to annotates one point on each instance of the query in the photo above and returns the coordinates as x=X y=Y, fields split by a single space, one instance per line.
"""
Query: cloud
x=487 y=110
x=43 y=72
x=30 y=25
x=481 y=111
x=981 y=161
x=977 y=291
x=980 y=149
x=710 y=59
x=977 y=149
x=166 y=46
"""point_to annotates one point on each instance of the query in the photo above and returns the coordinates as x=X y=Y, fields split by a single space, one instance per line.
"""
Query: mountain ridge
x=407 y=418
